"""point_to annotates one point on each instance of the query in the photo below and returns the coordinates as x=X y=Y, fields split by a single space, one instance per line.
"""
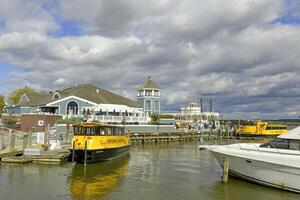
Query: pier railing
x=15 y=141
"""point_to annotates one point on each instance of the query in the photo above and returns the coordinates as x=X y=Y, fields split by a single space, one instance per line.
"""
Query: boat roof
x=292 y=134
x=92 y=124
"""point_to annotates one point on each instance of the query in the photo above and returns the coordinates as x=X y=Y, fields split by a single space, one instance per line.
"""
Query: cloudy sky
x=242 y=54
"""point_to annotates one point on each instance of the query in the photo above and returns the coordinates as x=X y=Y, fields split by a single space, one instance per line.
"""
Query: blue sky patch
x=288 y=20
x=292 y=13
x=2 y=24
x=68 y=28
x=6 y=69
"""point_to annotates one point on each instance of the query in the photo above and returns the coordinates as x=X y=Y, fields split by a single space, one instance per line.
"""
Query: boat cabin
x=290 y=140
x=92 y=129
x=281 y=143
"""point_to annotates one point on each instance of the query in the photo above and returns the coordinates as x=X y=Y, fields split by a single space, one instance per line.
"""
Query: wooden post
x=67 y=137
x=1 y=143
x=25 y=141
x=73 y=152
x=193 y=136
x=85 y=152
x=46 y=139
x=144 y=138
x=225 y=169
x=29 y=141
x=169 y=137
x=157 y=137
x=12 y=142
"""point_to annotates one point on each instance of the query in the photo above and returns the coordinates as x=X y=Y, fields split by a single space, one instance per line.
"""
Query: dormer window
x=24 y=98
x=56 y=95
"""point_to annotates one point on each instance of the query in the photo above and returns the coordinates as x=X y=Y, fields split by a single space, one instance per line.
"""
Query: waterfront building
x=149 y=97
x=192 y=116
x=80 y=100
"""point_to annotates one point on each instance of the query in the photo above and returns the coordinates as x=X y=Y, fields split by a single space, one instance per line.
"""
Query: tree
x=2 y=103
x=16 y=95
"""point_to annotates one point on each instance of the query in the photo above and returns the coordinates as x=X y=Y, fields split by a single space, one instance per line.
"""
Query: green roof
x=84 y=91
x=148 y=84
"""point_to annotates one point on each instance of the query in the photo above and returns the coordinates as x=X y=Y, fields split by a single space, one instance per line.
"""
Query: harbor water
x=153 y=171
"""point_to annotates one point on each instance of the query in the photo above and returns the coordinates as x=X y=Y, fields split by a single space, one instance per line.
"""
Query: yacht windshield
x=281 y=143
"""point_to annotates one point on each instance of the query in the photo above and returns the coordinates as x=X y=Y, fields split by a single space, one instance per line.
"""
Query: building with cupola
x=149 y=97
x=80 y=100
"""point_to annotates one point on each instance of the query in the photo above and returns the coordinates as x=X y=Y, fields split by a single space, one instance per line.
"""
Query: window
x=295 y=145
x=79 y=130
x=148 y=105
x=56 y=95
x=88 y=130
x=72 y=108
x=277 y=143
x=148 y=92
x=99 y=131
x=156 y=105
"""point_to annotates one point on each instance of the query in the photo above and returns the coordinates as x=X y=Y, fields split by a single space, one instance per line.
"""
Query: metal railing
x=120 y=119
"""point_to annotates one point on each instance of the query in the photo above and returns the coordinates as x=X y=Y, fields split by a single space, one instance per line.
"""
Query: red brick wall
x=31 y=121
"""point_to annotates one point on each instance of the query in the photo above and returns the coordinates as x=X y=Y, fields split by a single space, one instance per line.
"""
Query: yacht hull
x=273 y=174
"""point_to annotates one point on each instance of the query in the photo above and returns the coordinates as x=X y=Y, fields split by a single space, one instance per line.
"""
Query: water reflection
x=97 y=180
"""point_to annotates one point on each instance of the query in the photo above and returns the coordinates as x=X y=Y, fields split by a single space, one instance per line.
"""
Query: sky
x=242 y=54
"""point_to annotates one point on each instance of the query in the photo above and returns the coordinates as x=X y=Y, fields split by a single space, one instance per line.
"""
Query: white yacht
x=275 y=164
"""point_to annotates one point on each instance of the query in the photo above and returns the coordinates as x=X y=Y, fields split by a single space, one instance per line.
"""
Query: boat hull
x=264 y=173
x=99 y=155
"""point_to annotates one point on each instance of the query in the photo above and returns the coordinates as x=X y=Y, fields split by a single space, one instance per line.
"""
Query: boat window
x=277 y=143
x=295 y=145
x=88 y=130
x=120 y=131
x=77 y=130
x=108 y=131
x=99 y=131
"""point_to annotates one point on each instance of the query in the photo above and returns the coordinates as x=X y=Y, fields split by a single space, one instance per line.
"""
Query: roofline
x=70 y=97
x=149 y=88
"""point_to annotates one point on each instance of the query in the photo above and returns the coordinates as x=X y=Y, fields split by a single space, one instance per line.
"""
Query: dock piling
x=25 y=141
x=29 y=141
x=85 y=152
x=73 y=152
x=12 y=142
x=225 y=169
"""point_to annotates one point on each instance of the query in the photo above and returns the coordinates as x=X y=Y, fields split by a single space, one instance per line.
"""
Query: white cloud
x=229 y=51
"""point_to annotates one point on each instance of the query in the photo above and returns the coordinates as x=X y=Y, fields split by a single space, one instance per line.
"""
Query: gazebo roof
x=148 y=84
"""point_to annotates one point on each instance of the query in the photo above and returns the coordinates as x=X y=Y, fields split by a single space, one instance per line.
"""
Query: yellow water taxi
x=262 y=129
x=95 y=142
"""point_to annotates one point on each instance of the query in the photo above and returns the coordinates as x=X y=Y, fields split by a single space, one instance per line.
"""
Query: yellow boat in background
x=260 y=128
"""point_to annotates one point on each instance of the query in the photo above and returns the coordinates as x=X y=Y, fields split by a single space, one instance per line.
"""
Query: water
x=166 y=171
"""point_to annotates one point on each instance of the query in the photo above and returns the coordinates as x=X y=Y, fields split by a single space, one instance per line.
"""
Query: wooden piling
x=46 y=139
x=25 y=141
x=12 y=142
x=85 y=152
x=29 y=141
x=225 y=169
x=144 y=138
x=73 y=152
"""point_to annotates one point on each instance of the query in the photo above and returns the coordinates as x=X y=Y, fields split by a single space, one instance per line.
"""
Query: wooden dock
x=47 y=157
x=178 y=136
